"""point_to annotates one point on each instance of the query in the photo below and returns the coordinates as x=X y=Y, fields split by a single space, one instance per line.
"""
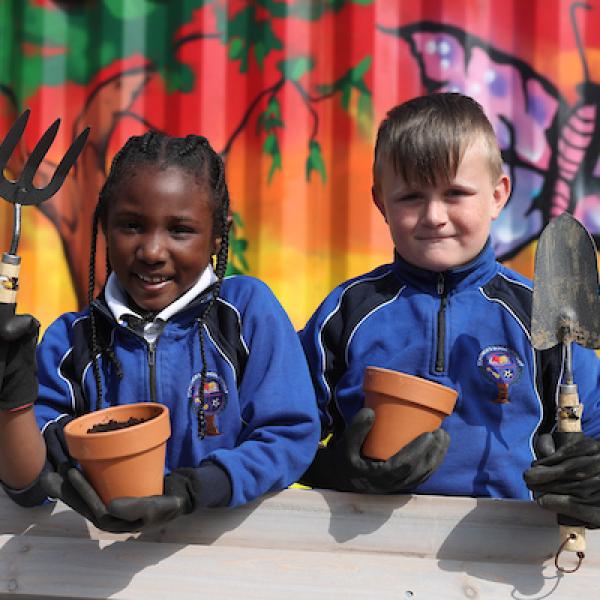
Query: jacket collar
x=475 y=273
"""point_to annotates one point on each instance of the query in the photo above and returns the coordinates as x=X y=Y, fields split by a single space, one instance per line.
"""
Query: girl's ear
x=217 y=240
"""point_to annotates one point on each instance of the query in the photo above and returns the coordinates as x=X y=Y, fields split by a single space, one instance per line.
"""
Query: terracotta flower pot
x=124 y=462
x=405 y=407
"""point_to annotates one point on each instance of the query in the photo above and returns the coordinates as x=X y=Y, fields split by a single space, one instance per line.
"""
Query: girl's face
x=159 y=231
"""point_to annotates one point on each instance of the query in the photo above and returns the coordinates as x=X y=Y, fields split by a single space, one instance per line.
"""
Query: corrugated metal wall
x=291 y=93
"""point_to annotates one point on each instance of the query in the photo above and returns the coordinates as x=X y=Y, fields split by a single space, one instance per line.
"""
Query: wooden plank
x=295 y=543
x=57 y=567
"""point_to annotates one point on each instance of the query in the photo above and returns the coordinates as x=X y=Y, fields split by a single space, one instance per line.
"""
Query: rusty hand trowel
x=566 y=309
x=22 y=192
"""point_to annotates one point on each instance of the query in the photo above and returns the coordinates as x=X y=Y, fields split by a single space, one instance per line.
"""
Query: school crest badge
x=210 y=403
x=502 y=366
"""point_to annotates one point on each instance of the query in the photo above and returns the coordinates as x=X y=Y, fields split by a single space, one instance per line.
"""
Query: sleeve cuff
x=215 y=486
x=33 y=494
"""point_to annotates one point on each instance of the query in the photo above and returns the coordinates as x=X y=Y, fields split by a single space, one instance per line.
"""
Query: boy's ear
x=501 y=194
x=378 y=202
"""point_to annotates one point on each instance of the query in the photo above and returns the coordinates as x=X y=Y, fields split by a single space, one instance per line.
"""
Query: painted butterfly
x=551 y=150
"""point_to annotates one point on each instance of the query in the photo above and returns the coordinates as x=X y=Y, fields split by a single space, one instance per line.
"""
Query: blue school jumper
x=467 y=328
x=261 y=416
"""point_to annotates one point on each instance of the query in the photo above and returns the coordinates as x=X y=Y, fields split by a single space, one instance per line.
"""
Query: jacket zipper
x=440 y=356
x=152 y=366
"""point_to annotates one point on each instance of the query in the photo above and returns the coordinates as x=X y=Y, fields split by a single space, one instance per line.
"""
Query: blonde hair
x=424 y=138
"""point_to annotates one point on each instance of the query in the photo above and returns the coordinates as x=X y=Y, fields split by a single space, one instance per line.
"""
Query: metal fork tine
x=36 y=157
x=12 y=138
x=37 y=195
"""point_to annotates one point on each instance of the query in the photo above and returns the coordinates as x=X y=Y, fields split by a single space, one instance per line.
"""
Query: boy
x=447 y=311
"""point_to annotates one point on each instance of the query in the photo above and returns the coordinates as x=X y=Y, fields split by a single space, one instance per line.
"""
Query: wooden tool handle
x=572 y=532
x=9 y=278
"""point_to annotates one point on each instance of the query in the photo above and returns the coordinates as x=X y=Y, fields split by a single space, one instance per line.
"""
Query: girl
x=167 y=327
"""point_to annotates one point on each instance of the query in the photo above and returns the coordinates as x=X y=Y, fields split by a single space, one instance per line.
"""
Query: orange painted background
x=291 y=94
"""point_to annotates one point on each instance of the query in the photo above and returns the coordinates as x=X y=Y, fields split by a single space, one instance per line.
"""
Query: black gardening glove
x=62 y=479
x=567 y=481
x=18 y=372
x=341 y=465
x=186 y=489
x=182 y=487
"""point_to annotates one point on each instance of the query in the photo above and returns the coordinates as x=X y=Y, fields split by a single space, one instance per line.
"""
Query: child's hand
x=183 y=492
x=18 y=373
x=75 y=491
x=567 y=480
x=409 y=467
x=343 y=467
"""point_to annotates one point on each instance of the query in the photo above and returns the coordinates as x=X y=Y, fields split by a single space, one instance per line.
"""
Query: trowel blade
x=566 y=305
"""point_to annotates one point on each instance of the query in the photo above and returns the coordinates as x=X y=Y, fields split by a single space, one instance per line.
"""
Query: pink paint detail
x=560 y=199
x=587 y=112
x=567 y=169
x=575 y=138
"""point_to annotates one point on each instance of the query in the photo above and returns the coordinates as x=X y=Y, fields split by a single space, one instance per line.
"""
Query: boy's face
x=446 y=225
x=159 y=231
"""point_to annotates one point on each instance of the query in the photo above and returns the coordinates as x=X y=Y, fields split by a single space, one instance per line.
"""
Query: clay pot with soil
x=121 y=449
x=405 y=407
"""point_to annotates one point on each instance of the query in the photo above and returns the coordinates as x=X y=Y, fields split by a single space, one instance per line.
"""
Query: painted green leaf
x=270 y=145
x=236 y=48
x=314 y=161
x=260 y=51
x=357 y=72
x=131 y=9
x=238 y=246
x=306 y=9
x=275 y=166
x=294 y=68
x=365 y=113
x=119 y=29
x=273 y=107
x=346 y=92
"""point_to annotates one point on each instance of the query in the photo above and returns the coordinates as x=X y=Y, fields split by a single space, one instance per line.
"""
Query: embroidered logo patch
x=502 y=366
x=212 y=402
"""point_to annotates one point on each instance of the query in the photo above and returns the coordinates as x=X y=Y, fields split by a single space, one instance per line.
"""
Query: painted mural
x=291 y=93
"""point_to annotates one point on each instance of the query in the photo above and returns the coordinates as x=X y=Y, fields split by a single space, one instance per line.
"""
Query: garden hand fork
x=22 y=192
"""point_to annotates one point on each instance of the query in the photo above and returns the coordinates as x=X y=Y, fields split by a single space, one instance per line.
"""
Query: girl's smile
x=160 y=235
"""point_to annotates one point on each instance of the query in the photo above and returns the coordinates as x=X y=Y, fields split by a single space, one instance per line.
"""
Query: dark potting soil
x=113 y=425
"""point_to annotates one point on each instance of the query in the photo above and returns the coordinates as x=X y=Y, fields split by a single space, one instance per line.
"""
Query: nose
x=435 y=212
x=152 y=248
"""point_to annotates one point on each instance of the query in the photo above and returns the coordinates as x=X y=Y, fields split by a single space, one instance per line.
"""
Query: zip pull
x=440 y=354
x=152 y=370
x=151 y=355
x=441 y=284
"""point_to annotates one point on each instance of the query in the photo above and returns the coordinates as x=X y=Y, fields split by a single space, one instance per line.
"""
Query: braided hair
x=196 y=157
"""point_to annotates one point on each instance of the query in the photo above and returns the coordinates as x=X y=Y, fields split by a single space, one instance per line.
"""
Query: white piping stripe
x=367 y=316
x=324 y=324
x=516 y=281
x=221 y=353
x=55 y=420
x=69 y=386
x=533 y=362
x=239 y=318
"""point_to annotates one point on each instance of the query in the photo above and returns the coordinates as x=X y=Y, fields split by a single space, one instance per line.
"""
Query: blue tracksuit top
x=467 y=328
x=262 y=422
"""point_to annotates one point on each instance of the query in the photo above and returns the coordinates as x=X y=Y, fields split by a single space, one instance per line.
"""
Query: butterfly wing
x=524 y=109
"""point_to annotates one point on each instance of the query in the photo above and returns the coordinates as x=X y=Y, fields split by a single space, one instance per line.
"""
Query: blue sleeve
x=320 y=355
x=281 y=433
x=56 y=391
x=586 y=375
